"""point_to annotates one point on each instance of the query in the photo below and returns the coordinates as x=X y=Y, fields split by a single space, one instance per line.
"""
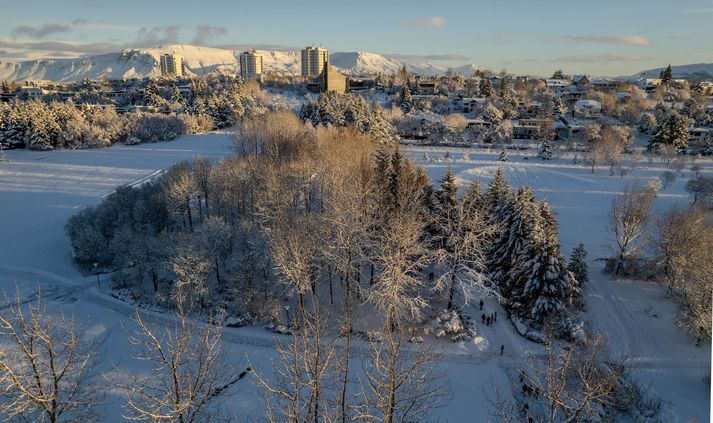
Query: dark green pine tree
x=498 y=190
x=515 y=234
x=578 y=264
x=406 y=99
x=486 y=88
x=558 y=74
x=447 y=192
x=666 y=76
x=545 y=152
x=445 y=212
x=673 y=130
x=539 y=278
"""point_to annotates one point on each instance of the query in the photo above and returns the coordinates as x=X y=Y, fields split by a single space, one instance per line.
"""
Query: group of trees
x=313 y=227
x=576 y=382
x=525 y=263
x=683 y=251
x=45 y=124
x=674 y=249
x=50 y=368
x=342 y=110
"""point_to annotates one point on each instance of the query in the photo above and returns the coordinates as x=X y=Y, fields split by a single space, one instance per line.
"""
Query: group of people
x=490 y=319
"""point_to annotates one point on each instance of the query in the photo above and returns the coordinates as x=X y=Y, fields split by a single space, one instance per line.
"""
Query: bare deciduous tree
x=628 y=220
x=574 y=382
x=188 y=374
x=46 y=366
x=685 y=252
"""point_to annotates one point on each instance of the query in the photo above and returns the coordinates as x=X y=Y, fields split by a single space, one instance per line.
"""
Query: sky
x=598 y=37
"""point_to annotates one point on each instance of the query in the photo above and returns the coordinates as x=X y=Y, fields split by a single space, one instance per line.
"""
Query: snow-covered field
x=39 y=191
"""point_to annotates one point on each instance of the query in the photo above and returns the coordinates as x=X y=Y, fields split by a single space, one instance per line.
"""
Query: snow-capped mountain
x=697 y=70
x=137 y=63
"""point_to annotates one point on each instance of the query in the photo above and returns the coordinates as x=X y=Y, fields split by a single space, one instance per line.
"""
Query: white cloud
x=628 y=40
x=432 y=21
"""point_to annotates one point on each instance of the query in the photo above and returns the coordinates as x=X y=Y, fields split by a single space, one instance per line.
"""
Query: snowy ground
x=636 y=316
x=39 y=191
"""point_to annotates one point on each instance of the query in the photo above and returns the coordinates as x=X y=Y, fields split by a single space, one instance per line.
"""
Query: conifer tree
x=486 y=88
x=498 y=190
x=406 y=99
x=545 y=152
x=503 y=155
x=539 y=278
x=671 y=131
x=578 y=264
x=666 y=76
x=558 y=74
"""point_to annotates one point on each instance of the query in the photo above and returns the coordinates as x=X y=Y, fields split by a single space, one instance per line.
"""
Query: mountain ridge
x=199 y=60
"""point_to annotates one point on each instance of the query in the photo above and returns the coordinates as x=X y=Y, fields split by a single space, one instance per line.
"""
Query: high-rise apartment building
x=171 y=65
x=251 y=65
x=313 y=60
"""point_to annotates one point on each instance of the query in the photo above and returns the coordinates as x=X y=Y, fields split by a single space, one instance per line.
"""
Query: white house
x=585 y=109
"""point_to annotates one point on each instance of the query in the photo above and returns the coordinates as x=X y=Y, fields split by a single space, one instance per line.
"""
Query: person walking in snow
x=483 y=316
x=481 y=304
x=495 y=316
x=502 y=349
x=487 y=320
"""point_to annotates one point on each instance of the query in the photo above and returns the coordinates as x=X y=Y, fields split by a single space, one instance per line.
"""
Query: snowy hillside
x=200 y=60
x=361 y=63
x=703 y=70
x=127 y=64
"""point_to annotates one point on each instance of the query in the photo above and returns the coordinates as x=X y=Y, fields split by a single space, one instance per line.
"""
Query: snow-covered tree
x=545 y=152
x=666 y=76
x=647 y=123
x=578 y=264
x=539 y=277
x=673 y=130
x=486 y=88
x=406 y=99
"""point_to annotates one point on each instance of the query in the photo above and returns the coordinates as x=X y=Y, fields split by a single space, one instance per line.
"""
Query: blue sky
x=603 y=37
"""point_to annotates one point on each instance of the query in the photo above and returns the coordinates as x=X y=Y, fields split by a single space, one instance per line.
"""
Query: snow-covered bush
x=154 y=127
x=449 y=323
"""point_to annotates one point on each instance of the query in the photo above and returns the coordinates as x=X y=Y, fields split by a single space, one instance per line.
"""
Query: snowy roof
x=588 y=104
x=557 y=82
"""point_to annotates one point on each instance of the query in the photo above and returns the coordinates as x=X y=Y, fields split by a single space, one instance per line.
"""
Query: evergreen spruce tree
x=545 y=152
x=578 y=264
x=666 y=76
x=447 y=192
x=445 y=211
x=516 y=217
x=540 y=283
x=474 y=200
x=406 y=99
x=486 y=88
x=498 y=191
x=673 y=130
